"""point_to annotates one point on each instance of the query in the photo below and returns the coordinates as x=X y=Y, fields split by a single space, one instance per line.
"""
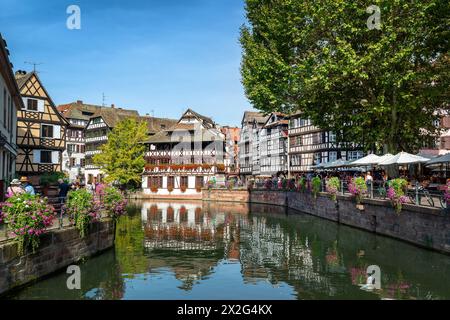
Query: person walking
x=63 y=190
x=15 y=188
x=27 y=186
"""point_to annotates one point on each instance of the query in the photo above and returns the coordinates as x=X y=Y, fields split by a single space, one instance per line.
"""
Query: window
x=72 y=162
x=32 y=104
x=46 y=156
x=171 y=182
x=47 y=131
x=154 y=182
x=199 y=182
x=82 y=163
x=184 y=181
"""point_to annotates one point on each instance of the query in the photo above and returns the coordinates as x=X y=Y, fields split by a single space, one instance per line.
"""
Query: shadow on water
x=195 y=250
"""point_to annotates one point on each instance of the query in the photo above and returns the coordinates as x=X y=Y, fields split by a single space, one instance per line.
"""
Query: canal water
x=195 y=250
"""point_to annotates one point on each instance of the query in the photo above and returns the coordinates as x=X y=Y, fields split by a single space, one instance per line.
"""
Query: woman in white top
x=15 y=188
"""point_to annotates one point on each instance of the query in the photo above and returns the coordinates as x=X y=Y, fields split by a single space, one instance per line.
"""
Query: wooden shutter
x=57 y=132
x=55 y=157
x=36 y=156
x=41 y=105
x=25 y=103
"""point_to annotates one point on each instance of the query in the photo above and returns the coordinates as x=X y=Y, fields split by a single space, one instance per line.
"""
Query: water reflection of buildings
x=269 y=252
x=198 y=237
x=205 y=236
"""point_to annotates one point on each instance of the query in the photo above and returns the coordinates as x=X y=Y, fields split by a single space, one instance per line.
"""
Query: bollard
x=371 y=189
x=417 y=193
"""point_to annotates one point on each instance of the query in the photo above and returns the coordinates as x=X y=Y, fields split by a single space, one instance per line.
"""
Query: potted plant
x=170 y=188
x=302 y=184
x=332 y=186
x=396 y=193
x=183 y=188
x=358 y=188
x=316 y=184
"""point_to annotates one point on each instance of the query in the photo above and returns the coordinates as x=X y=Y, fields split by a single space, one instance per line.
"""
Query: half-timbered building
x=249 y=146
x=41 y=129
x=96 y=134
x=101 y=124
x=309 y=145
x=10 y=103
x=183 y=158
x=78 y=114
x=273 y=146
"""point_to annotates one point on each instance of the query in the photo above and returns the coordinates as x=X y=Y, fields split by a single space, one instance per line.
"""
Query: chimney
x=79 y=101
x=20 y=73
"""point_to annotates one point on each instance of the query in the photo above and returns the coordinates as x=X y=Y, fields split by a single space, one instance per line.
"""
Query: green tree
x=380 y=88
x=122 y=157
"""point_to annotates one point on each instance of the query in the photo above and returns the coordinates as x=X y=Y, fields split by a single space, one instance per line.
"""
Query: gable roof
x=23 y=78
x=208 y=121
x=155 y=125
x=252 y=116
x=208 y=127
x=78 y=110
x=112 y=116
x=282 y=119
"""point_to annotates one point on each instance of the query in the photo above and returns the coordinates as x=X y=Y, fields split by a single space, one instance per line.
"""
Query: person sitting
x=27 y=186
x=15 y=188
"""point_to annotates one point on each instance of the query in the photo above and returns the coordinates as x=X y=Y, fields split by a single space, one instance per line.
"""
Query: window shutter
x=41 y=104
x=25 y=102
x=55 y=157
x=36 y=156
x=57 y=132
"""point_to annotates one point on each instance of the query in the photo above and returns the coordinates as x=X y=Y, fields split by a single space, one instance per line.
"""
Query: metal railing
x=416 y=195
x=62 y=220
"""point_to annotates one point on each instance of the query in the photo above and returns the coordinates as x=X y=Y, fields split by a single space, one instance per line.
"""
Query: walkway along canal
x=169 y=249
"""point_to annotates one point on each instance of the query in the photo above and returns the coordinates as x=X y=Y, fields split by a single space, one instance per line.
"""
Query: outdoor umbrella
x=384 y=157
x=403 y=158
x=441 y=159
x=336 y=164
x=368 y=160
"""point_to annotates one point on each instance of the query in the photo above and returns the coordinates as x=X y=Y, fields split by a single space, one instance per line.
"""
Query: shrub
x=396 y=193
x=114 y=202
x=230 y=184
x=48 y=179
x=333 y=185
x=28 y=216
x=82 y=209
x=302 y=184
x=316 y=184
x=357 y=188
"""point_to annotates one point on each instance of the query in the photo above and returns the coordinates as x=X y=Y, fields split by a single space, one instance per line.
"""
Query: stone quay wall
x=423 y=226
x=58 y=249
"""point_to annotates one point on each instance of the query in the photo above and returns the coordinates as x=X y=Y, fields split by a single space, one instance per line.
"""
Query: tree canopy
x=382 y=88
x=122 y=157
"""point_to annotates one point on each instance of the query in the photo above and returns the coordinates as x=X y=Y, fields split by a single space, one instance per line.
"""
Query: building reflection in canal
x=203 y=250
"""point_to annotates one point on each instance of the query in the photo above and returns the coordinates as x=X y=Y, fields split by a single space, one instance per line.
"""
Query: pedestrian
x=27 y=186
x=15 y=188
x=63 y=190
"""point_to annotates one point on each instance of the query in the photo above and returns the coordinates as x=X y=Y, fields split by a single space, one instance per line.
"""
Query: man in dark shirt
x=63 y=190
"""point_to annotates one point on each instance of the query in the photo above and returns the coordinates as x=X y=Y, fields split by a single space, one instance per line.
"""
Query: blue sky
x=160 y=55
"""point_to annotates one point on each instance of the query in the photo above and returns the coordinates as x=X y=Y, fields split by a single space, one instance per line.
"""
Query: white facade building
x=10 y=103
